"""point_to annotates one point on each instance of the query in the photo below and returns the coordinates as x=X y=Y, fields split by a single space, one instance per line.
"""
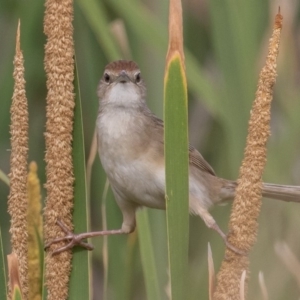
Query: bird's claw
x=72 y=238
x=234 y=249
x=227 y=243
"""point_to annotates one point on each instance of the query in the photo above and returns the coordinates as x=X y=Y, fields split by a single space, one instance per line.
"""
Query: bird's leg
x=128 y=226
x=216 y=227
x=211 y=223
x=77 y=239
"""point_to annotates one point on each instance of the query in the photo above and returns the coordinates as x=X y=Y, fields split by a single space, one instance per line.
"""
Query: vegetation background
x=226 y=43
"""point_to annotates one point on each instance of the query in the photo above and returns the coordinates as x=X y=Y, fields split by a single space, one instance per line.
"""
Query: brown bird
x=131 y=149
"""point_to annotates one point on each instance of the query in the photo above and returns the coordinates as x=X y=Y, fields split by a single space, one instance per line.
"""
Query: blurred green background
x=226 y=44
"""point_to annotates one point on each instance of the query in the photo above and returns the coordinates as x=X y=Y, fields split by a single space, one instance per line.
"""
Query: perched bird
x=131 y=149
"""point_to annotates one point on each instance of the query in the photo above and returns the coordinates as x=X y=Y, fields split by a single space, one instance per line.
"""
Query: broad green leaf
x=176 y=160
x=80 y=275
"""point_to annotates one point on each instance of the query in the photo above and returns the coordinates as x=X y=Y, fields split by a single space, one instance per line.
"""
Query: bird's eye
x=106 y=78
x=138 y=77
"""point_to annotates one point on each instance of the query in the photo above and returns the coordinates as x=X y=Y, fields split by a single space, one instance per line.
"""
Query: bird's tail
x=288 y=193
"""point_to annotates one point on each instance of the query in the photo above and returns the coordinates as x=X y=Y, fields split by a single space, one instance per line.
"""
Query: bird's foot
x=77 y=239
x=227 y=243
x=70 y=237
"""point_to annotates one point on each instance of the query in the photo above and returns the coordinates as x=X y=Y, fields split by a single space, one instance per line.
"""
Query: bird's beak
x=123 y=77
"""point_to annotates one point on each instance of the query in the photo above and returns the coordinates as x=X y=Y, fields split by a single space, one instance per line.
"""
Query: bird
x=130 y=141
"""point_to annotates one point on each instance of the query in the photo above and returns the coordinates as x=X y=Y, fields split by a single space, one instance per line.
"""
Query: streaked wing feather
x=197 y=160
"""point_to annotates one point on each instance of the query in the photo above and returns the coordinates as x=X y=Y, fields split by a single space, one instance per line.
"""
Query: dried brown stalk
x=17 y=200
x=262 y=286
x=243 y=223
x=59 y=66
x=175 y=32
x=14 y=275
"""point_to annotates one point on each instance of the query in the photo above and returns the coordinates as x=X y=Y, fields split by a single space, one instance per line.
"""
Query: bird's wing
x=195 y=158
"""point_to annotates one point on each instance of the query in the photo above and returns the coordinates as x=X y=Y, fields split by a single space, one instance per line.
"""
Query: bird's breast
x=121 y=135
x=124 y=154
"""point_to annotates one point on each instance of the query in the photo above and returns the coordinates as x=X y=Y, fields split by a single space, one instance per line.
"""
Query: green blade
x=80 y=275
x=176 y=160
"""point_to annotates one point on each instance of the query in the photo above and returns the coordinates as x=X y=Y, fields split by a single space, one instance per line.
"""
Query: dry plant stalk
x=242 y=285
x=118 y=30
x=14 y=274
x=211 y=273
x=59 y=66
x=35 y=226
x=17 y=200
x=243 y=223
x=175 y=32
x=263 y=286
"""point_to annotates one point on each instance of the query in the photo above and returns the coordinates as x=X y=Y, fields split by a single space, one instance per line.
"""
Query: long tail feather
x=281 y=192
